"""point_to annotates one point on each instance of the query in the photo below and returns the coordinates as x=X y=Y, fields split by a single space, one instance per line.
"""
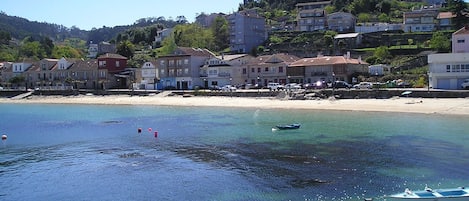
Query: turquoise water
x=85 y=152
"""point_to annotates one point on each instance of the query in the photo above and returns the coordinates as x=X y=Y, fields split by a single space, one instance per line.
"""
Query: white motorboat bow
x=451 y=194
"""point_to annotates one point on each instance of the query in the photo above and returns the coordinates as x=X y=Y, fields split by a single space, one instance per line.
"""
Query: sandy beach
x=452 y=106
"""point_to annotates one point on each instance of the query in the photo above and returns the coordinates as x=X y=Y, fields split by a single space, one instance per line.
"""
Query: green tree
x=458 y=7
x=167 y=46
x=65 y=51
x=193 y=35
x=384 y=18
x=382 y=53
x=221 y=33
x=5 y=37
x=126 y=49
x=364 y=17
x=440 y=42
x=47 y=45
x=32 y=49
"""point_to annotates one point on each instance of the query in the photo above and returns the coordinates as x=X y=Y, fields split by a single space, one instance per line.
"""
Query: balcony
x=318 y=74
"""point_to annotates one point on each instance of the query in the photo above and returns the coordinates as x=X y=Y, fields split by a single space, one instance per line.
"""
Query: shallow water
x=83 y=152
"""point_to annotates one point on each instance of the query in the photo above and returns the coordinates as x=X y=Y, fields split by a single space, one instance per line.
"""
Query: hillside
x=20 y=28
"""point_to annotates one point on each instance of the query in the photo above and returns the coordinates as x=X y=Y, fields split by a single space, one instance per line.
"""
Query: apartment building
x=247 y=31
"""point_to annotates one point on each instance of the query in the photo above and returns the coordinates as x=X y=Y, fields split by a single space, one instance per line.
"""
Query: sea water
x=91 y=152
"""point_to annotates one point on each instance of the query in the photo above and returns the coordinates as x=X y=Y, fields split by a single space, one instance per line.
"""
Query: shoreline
x=447 y=106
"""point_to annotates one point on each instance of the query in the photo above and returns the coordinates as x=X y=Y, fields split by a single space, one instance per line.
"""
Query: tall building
x=247 y=31
x=312 y=16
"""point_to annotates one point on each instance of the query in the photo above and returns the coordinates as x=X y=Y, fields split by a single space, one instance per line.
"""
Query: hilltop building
x=247 y=31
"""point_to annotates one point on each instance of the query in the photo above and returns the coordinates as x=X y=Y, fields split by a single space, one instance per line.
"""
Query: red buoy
x=149 y=129
x=156 y=134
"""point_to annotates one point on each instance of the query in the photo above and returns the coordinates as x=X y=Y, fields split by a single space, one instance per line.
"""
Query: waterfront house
x=449 y=70
x=180 y=70
x=271 y=68
x=116 y=65
x=460 y=40
x=147 y=77
x=225 y=69
x=84 y=74
x=328 y=68
x=247 y=31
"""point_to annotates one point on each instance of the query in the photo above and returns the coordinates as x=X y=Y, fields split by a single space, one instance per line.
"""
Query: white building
x=149 y=76
x=448 y=71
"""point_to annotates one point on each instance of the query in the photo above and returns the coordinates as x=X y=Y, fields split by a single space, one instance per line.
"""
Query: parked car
x=363 y=85
x=215 y=88
x=465 y=84
x=228 y=88
x=273 y=86
x=341 y=84
x=292 y=86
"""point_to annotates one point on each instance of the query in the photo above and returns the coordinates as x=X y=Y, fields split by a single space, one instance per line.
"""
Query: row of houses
x=187 y=68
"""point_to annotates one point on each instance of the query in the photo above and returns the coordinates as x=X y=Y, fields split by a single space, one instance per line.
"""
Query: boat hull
x=456 y=194
x=288 y=127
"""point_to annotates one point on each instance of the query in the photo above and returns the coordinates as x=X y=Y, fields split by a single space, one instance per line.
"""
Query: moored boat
x=289 y=126
x=451 y=194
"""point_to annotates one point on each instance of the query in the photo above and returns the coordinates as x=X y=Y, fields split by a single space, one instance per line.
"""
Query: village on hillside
x=196 y=68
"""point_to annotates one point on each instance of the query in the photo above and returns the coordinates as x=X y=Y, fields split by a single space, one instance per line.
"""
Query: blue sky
x=86 y=14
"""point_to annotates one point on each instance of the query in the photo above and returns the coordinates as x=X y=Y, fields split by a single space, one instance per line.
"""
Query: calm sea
x=86 y=152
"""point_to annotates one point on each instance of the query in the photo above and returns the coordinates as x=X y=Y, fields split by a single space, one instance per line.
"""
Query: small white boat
x=451 y=194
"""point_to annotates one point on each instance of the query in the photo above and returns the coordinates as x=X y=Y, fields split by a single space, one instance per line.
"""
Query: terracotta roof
x=462 y=31
x=84 y=65
x=194 y=52
x=275 y=58
x=445 y=15
x=325 y=61
x=111 y=55
x=230 y=57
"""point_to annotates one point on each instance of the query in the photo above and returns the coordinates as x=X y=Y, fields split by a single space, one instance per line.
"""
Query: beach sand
x=451 y=106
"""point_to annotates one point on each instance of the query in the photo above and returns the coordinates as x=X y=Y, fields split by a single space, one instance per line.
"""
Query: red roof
x=111 y=56
x=325 y=61
x=462 y=31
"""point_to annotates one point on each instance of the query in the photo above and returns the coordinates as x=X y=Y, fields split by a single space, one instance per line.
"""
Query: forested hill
x=20 y=28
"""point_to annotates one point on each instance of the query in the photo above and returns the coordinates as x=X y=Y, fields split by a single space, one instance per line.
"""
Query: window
x=179 y=62
x=102 y=63
x=258 y=70
x=448 y=68
x=186 y=71
x=43 y=66
x=280 y=69
x=244 y=71
x=171 y=63
x=252 y=70
x=266 y=69
x=461 y=41
x=162 y=63
x=186 y=61
x=117 y=64
x=102 y=74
